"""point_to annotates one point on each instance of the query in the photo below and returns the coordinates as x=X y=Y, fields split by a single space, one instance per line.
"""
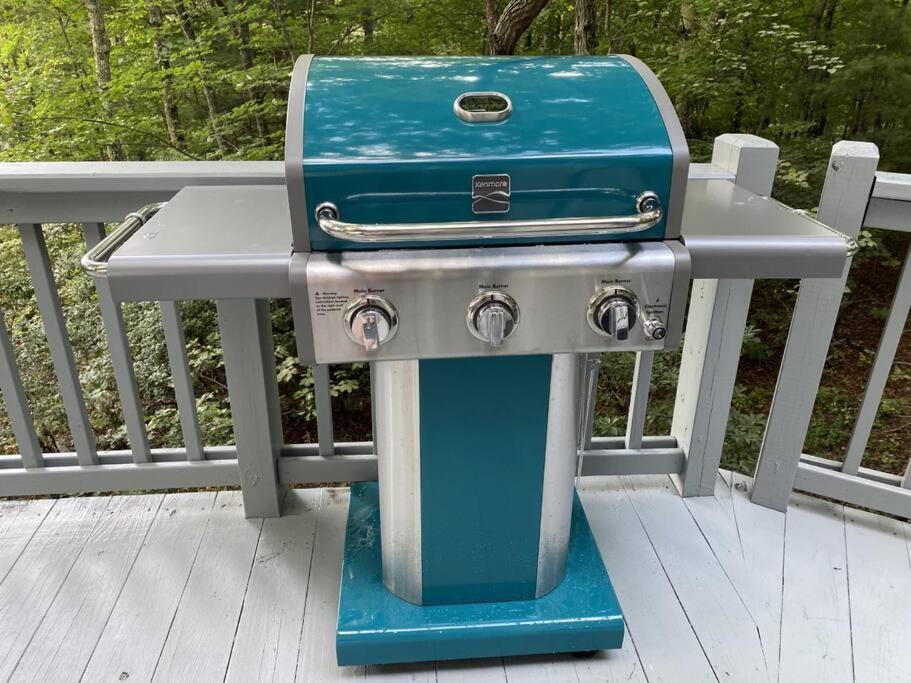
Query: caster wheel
x=585 y=654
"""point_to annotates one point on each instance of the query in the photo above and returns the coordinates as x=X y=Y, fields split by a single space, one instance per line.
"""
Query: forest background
x=208 y=79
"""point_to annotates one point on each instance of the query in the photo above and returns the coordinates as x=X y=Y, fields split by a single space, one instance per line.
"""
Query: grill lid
x=406 y=140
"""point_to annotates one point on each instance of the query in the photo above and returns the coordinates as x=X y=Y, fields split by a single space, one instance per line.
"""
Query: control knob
x=492 y=317
x=613 y=312
x=370 y=321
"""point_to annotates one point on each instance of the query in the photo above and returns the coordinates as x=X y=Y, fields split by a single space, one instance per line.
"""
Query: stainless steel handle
x=95 y=261
x=648 y=215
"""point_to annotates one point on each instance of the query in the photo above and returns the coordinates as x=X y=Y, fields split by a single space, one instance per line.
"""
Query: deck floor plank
x=721 y=621
x=195 y=592
x=815 y=620
x=29 y=589
x=266 y=644
x=19 y=520
x=136 y=631
x=198 y=645
x=656 y=624
x=748 y=542
x=316 y=655
x=72 y=625
x=471 y=671
x=879 y=583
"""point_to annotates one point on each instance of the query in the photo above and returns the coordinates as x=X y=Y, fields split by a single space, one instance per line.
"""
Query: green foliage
x=208 y=79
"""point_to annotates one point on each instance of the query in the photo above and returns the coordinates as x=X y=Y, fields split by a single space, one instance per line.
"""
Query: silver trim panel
x=679 y=147
x=559 y=474
x=552 y=286
x=294 y=154
x=398 y=447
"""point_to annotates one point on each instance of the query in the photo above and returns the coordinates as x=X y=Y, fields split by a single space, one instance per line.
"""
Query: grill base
x=375 y=627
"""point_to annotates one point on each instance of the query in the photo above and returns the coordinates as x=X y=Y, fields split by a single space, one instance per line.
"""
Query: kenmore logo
x=490 y=193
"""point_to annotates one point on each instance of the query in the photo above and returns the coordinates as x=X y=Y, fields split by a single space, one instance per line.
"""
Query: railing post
x=849 y=181
x=246 y=336
x=714 y=333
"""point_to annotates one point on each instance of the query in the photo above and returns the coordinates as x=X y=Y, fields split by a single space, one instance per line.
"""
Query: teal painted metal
x=375 y=627
x=382 y=141
x=483 y=421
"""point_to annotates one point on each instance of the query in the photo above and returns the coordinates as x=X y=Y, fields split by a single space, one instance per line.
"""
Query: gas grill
x=470 y=226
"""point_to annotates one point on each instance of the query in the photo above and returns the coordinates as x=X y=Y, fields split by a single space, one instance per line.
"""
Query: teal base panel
x=376 y=627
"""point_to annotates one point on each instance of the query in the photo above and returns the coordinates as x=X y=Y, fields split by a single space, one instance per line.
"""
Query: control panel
x=502 y=300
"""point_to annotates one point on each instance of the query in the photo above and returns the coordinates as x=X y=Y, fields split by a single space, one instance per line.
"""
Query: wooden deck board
x=268 y=636
x=31 y=585
x=199 y=643
x=657 y=625
x=880 y=596
x=136 y=631
x=712 y=589
x=72 y=625
x=816 y=619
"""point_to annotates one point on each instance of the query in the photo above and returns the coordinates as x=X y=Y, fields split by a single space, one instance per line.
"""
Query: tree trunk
x=311 y=15
x=279 y=6
x=186 y=27
x=608 y=27
x=586 y=36
x=168 y=102
x=254 y=94
x=101 y=48
x=511 y=24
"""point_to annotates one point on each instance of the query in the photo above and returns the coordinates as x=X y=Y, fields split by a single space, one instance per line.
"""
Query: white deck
x=182 y=587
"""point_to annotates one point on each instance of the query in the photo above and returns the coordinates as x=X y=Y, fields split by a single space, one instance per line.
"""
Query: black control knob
x=613 y=313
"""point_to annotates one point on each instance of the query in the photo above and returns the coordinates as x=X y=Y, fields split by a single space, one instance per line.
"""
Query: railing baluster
x=323 y=393
x=882 y=367
x=246 y=336
x=121 y=357
x=845 y=194
x=642 y=379
x=42 y=277
x=20 y=416
x=176 y=344
x=591 y=365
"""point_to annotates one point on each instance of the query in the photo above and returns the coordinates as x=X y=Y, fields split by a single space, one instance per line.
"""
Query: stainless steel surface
x=654 y=328
x=482 y=116
x=559 y=474
x=370 y=321
x=328 y=218
x=613 y=312
x=492 y=317
x=95 y=260
x=208 y=243
x=552 y=285
x=398 y=449
x=679 y=147
x=648 y=201
x=733 y=233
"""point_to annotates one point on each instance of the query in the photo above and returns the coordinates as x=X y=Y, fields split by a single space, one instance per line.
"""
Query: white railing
x=94 y=193
x=855 y=195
